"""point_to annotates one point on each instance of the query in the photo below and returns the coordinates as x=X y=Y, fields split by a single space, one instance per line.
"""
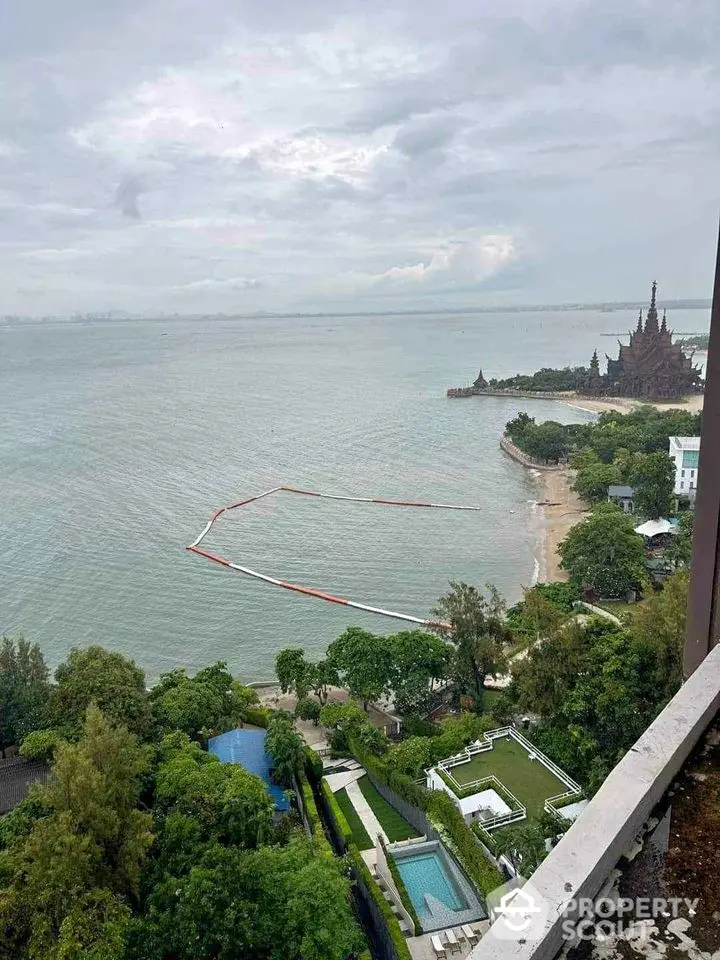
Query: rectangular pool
x=425 y=873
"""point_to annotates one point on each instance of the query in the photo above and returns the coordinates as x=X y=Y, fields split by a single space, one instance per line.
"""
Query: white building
x=685 y=452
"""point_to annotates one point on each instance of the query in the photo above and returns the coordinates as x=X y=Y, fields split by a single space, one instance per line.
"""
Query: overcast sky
x=235 y=155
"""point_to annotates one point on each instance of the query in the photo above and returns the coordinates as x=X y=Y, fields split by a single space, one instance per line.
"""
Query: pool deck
x=421 y=948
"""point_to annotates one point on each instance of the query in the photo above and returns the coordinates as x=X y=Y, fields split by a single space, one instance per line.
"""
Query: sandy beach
x=693 y=404
x=562 y=509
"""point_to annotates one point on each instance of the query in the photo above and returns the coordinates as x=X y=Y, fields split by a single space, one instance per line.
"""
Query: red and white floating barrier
x=195 y=547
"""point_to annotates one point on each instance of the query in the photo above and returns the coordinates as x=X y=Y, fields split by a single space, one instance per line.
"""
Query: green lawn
x=528 y=780
x=490 y=698
x=395 y=826
x=360 y=834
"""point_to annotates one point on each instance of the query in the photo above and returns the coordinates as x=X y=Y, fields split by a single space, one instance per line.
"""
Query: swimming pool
x=425 y=873
x=440 y=892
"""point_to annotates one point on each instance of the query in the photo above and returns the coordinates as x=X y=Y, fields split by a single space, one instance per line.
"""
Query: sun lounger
x=469 y=934
x=452 y=941
x=438 y=947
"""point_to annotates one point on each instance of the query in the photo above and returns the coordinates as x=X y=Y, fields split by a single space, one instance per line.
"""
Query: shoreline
x=561 y=509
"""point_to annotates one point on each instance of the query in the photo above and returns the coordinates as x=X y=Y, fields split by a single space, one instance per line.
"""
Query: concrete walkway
x=336 y=781
x=364 y=811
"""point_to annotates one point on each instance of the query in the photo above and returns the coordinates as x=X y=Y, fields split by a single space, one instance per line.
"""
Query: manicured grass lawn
x=360 y=834
x=529 y=780
x=395 y=826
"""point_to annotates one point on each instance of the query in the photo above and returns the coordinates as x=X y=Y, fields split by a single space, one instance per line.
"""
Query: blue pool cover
x=247 y=747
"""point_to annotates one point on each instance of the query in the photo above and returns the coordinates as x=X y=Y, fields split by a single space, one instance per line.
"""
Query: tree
x=308 y=709
x=232 y=904
x=654 y=479
x=205 y=704
x=413 y=755
x=41 y=744
x=658 y=623
x=341 y=721
x=604 y=553
x=478 y=634
x=292 y=670
x=322 y=676
x=545 y=441
x=523 y=845
x=24 y=690
x=679 y=553
x=113 y=682
x=285 y=747
x=224 y=801
x=364 y=662
x=592 y=482
x=418 y=658
x=84 y=854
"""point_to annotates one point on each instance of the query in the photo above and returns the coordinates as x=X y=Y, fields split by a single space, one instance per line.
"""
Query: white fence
x=551 y=805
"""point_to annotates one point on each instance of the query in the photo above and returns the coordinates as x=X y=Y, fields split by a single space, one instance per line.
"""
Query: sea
x=120 y=437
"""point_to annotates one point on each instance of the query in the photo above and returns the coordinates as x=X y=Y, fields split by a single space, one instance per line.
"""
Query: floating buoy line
x=195 y=547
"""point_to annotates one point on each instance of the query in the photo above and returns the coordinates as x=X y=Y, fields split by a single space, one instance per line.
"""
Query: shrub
x=307 y=709
x=402 y=950
x=402 y=889
x=459 y=838
x=313 y=765
x=41 y=744
x=341 y=825
x=257 y=716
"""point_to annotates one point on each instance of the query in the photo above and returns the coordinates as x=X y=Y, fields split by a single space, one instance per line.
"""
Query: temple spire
x=663 y=328
x=639 y=326
x=651 y=324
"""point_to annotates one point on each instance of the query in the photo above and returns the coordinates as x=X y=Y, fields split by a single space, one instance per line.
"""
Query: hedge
x=399 y=942
x=257 y=716
x=403 y=785
x=341 y=824
x=402 y=889
x=313 y=765
x=444 y=816
x=456 y=834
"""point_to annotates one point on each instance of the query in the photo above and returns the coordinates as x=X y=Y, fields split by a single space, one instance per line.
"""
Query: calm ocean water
x=120 y=438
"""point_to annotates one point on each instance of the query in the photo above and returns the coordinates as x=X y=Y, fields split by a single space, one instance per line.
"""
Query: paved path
x=364 y=811
x=336 y=781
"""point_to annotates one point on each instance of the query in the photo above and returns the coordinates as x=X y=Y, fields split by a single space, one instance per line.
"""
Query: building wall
x=686 y=471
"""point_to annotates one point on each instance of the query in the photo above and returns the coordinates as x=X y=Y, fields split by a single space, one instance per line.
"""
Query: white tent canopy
x=653 y=528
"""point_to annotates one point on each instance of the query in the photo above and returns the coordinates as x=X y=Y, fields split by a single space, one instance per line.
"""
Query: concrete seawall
x=512 y=451
x=455 y=392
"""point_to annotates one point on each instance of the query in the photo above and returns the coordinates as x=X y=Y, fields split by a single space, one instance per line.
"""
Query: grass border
x=388 y=817
x=357 y=832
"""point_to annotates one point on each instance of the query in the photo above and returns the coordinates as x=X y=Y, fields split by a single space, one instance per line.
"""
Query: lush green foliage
x=523 y=844
x=541 y=611
x=228 y=803
x=41 y=744
x=24 y=690
x=478 y=633
x=401 y=888
x=402 y=951
x=307 y=709
x=338 y=814
x=597 y=687
x=458 y=837
x=679 y=553
x=604 y=553
x=203 y=705
x=74 y=871
x=545 y=380
x=617 y=448
x=299 y=676
x=286 y=748
x=115 y=684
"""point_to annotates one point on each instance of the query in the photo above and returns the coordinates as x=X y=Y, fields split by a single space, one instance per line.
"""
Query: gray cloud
x=322 y=156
